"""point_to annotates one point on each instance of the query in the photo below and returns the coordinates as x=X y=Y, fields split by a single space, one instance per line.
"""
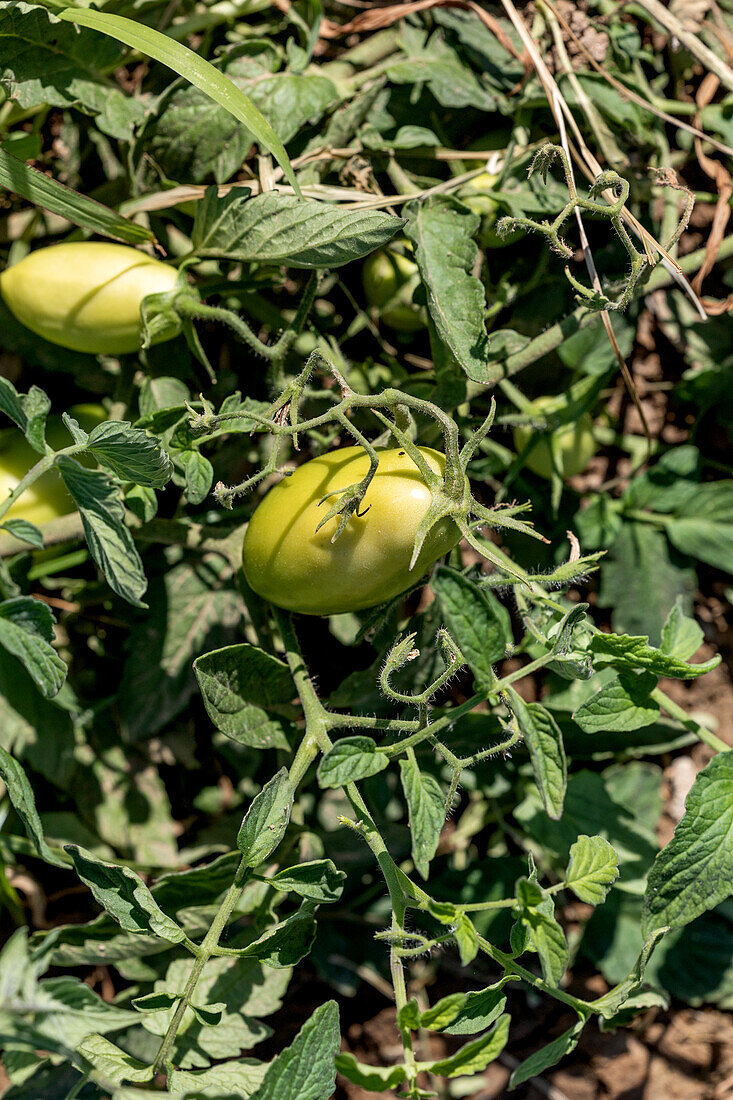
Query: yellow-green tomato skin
x=293 y=567
x=85 y=295
x=389 y=280
x=575 y=445
x=477 y=194
x=47 y=498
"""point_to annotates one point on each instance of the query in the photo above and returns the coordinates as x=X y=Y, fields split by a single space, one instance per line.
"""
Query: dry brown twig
x=720 y=175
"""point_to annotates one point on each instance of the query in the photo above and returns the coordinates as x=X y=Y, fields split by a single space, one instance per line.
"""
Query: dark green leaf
x=351 y=759
x=103 y=518
x=130 y=454
x=26 y=631
x=477 y=621
x=273 y=228
x=543 y=738
x=266 y=819
x=426 y=806
x=306 y=1070
x=124 y=895
x=623 y=703
x=695 y=871
x=24 y=804
x=238 y=684
x=318 y=881
x=474 y=1056
x=442 y=230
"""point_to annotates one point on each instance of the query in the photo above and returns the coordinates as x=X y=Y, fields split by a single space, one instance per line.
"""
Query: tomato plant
x=291 y=560
x=339 y=752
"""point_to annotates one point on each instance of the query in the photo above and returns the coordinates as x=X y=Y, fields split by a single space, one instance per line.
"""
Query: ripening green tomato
x=575 y=444
x=476 y=194
x=293 y=566
x=46 y=498
x=86 y=295
x=390 y=279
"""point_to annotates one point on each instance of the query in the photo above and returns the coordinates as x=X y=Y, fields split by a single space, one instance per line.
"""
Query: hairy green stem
x=203 y=954
x=684 y=719
x=552 y=337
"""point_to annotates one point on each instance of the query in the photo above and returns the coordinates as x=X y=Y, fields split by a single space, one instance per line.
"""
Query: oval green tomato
x=574 y=444
x=47 y=498
x=477 y=195
x=86 y=295
x=293 y=566
x=390 y=279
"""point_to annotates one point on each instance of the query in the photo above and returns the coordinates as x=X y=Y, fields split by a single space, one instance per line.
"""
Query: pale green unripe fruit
x=390 y=279
x=574 y=444
x=296 y=567
x=86 y=295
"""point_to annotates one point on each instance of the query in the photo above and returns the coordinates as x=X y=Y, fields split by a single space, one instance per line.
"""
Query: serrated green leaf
x=266 y=820
x=114 y=1064
x=474 y=1056
x=695 y=871
x=306 y=1070
x=351 y=759
x=23 y=530
x=238 y=1078
x=103 y=518
x=536 y=914
x=24 y=804
x=543 y=738
x=273 y=228
x=238 y=683
x=628 y=651
x=466 y=1013
x=124 y=895
x=592 y=870
x=621 y=704
x=199 y=476
x=466 y=938
x=130 y=454
x=682 y=636
x=26 y=631
x=442 y=230
x=426 y=808
x=197 y=70
x=475 y=618
x=318 y=881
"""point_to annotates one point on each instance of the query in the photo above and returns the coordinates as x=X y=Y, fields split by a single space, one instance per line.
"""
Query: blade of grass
x=193 y=68
x=37 y=188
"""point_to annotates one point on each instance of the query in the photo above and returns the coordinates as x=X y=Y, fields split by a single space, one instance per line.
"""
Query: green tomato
x=293 y=566
x=86 y=295
x=476 y=194
x=47 y=498
x=390 y=279
x=574 y=444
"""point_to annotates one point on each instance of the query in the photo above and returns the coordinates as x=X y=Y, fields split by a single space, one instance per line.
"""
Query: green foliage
x=209 y=792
